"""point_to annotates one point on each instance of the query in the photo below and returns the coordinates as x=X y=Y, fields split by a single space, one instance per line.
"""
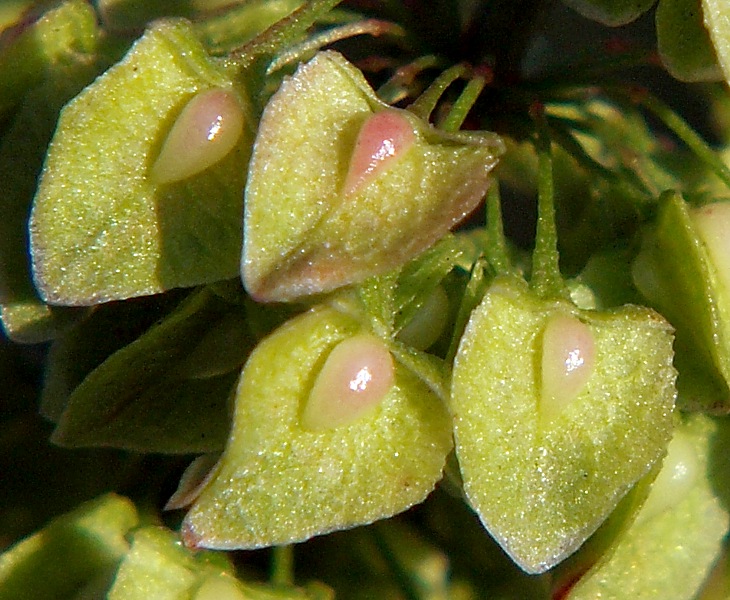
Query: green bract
x=543 y=482
x=158 y=566
x=48 y=45
x=676 y=273
x=279 y=481
x=342 y=187
x=101 y=228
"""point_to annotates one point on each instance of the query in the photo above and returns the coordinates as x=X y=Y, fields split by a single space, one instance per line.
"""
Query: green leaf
x=280 y=482
x=58 y=38
x=74 y=551
x=101 y=228
x=675 y=271
x=611 y=12
x=557 y=413
x=22 y=151
x=684 y=42
x=353 y=210
x=678 y=534
x=169 y=390
x=98 y=333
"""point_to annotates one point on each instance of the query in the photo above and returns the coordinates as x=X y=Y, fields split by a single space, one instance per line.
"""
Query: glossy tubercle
x=207 y=129
x=354 y=379
x=383 y=138
x=568 y=360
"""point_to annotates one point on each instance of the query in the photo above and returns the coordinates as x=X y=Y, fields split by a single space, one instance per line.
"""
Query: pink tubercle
x=206 y=130
x=354 y=379
x=383 y=138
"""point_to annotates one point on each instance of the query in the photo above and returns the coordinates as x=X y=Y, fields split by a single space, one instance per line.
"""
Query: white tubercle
x=355 y=378
x=675 y=480
x=383 y=138
x=220 y=587
x=429 y=322
x=568 y=360
x=712 y=223
x=207 y=129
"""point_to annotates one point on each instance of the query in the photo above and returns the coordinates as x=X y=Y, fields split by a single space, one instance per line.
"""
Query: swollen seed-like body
x=383 y=138
x=712 y=223
x=568 y=360
x=356 y=376
x=207 y=129
x=676 y=479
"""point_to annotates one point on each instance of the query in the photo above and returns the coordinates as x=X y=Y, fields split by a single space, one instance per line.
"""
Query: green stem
x=546 y=279
x=397 y=88
x=426 y=102
x=496 y=249
x=630 y=184
x=374 y=27
x=283 y=33
x=681 y=129
x=459 y=111
x=282 y=566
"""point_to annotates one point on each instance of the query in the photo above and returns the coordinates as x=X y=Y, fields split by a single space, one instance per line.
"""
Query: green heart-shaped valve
x=341 y=186
x=330 y=431
x=557 y=413
x=141 y=188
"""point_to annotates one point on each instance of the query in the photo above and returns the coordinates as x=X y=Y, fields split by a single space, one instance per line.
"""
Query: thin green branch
x=631 y=184
x=496 y=250
x=426 y=102
x=682 y=130
x=397 y=88
x=282 y=33
x=374 y=27
x=282 y=565
x=400 y=574
x=464 y=103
